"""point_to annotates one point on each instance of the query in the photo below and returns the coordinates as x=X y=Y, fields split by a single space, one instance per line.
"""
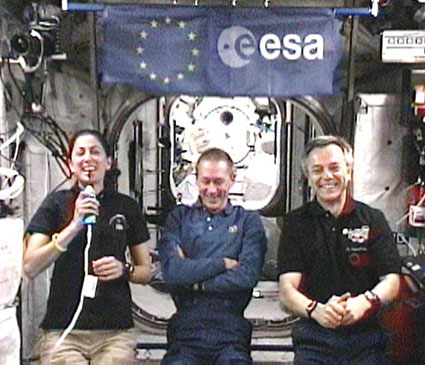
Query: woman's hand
x=108 y=268
x=85 y=205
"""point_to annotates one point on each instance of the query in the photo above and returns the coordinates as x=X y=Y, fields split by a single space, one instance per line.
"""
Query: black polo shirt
x=337 y=255
x=120 y=224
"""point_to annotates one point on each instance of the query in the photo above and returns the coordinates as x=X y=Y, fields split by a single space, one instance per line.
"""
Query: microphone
x=89 y=192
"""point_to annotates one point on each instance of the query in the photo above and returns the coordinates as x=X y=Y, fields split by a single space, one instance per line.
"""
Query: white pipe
x=3 y=121
x=19 y=130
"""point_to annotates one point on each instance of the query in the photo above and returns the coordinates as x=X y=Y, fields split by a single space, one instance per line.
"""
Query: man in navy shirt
x=338 y=264
x=211 y=254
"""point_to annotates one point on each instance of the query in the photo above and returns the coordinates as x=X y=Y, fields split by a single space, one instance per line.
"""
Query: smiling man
x=338 y=264
x=211 y=254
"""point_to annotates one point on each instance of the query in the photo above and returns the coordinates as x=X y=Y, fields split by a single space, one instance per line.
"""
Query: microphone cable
x=82 y=296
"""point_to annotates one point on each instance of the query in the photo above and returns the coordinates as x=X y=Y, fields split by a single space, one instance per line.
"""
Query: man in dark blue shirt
x=211 y=254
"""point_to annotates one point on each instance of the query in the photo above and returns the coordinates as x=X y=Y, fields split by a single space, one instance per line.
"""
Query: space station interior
x=50 y=88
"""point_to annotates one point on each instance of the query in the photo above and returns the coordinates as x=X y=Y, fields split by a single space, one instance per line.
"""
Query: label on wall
x=403 y=46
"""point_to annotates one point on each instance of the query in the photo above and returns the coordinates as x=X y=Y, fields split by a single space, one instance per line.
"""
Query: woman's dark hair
x=89 y=132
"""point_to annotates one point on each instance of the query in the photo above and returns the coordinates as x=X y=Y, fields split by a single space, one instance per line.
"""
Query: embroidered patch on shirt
x=360 y=259
x=118 y=222
x=233 y=229
x=359 y=235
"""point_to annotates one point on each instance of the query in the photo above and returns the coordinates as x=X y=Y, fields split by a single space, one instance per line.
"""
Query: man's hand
x=332 y=313
x=230 y=263
x=355 y=309
x=179 y=252
x=108 y=268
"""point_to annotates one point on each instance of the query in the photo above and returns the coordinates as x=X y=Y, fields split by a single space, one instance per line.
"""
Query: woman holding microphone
x=86 y=234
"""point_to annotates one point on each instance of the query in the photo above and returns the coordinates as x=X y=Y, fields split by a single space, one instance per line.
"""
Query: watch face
x=372 y=297
x=128 y=270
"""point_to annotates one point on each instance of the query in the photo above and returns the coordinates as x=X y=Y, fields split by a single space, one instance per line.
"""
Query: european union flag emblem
x=160 y=51
x=221 y=51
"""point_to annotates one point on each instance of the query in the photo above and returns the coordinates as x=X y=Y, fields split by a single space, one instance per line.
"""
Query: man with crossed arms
x=212 y=255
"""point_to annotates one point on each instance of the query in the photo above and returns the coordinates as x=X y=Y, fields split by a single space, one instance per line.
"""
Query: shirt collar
x=105 y=192
x=316 y=208
x=75 y=188
x=349 y=206
x=226 y=211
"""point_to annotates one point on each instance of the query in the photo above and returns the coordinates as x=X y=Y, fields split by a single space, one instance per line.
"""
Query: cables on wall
x=46 y=130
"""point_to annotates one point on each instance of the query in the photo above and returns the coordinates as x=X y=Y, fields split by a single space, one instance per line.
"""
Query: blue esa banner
x=222 y=51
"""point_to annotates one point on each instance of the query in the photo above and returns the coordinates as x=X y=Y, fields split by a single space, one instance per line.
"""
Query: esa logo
x=236 y=45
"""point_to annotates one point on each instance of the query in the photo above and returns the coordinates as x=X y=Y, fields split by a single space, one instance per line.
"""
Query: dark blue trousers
x=191 y=355
x=314 y=344
x=208 y=332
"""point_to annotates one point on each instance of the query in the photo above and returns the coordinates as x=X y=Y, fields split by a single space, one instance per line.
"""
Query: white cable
x=401 y=219
x=19 y=130
x=420 y=201
x=80 y=304
x=408 y=244
x=17 y=186
x=15 y=157
x=47 y=174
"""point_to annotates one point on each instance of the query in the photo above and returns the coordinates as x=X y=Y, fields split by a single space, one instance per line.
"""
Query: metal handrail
x=90 y=7
x=254 y=347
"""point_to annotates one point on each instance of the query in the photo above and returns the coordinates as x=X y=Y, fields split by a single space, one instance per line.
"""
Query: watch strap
x=128 y=270
x=373 y=299
x=311 y=307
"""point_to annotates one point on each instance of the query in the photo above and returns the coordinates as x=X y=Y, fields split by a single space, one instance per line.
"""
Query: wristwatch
x=311 y=307
x=128 y=270
x=373 y=299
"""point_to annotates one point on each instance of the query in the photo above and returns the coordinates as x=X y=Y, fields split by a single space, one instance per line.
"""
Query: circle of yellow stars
x=191 y=67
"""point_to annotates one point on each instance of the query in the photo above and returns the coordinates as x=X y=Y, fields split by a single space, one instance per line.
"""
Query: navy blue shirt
x=215 y=314
x=205 y=240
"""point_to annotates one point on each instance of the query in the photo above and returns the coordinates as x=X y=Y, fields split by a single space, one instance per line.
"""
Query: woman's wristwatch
x=128 y=270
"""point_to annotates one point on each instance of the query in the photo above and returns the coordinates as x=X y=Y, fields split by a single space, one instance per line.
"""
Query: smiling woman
x=58 y=233
x=89 y=159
